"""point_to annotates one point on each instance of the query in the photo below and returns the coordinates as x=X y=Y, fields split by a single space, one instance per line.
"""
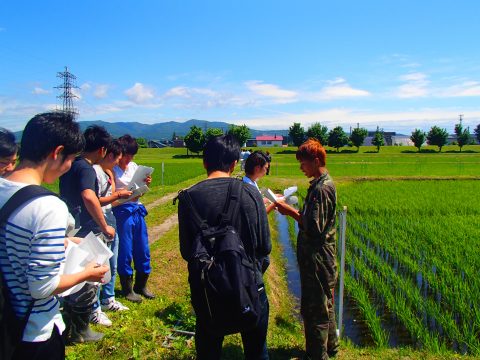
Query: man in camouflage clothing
x=316 y=252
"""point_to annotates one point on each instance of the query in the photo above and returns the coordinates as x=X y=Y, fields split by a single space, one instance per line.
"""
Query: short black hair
x=44 y=132
x=220 y=152
x=8 y=145
x=115 y=148
x=257 y=158
x=96 y=137
x=129 y=143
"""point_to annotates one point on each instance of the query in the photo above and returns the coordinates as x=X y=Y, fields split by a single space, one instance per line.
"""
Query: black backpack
x=224 y=291
x=12 y=327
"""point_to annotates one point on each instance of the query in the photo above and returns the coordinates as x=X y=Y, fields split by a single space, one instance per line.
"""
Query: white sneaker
x=114 y=305
x=99 y=317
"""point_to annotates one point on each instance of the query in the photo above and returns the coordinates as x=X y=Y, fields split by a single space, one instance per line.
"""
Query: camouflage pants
x=318 y=278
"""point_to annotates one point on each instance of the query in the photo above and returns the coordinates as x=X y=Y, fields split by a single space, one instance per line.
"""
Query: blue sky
x=396 y=64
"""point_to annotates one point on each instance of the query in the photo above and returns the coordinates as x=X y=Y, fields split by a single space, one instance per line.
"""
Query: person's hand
x=74 y=239
x=109 y=232
x=96 y=272
x=124 y=193
x=148 y=180
x=282 y=207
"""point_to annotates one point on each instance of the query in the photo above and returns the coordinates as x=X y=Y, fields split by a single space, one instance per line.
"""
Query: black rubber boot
x=78 y=328
x=127 y=289
x=141 y=285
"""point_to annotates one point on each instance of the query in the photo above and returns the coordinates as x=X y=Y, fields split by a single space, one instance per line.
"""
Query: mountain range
x=164 y=130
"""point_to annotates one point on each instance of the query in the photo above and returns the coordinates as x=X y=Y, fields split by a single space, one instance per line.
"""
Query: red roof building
x=269 y=140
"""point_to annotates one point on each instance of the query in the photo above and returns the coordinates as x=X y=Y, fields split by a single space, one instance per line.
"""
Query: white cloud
x=101 y=91
x=271 y=91
x=140 y=93
x=77 y=93
x=187 y=92
x=405 y=121
x=40 y=91
x=416 y=85
x=467 y=88
x=337 y=89
x=85 y=87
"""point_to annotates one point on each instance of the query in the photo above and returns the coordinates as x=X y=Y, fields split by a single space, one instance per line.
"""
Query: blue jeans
x=107 y=291
x=209 y=346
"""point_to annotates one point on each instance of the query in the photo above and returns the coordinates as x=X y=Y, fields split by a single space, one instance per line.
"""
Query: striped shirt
x=31 y=252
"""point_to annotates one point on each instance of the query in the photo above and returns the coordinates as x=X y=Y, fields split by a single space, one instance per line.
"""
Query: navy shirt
x=80 y=177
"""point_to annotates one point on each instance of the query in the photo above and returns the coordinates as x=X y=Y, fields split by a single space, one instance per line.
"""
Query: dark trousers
x=52 y=349
x=209 y=345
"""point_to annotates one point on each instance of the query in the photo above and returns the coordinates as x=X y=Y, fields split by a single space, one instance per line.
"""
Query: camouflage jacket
x=318 y=214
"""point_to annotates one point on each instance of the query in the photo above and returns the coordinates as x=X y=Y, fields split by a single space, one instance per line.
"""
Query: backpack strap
x=230 y=213
x=197 y=219
x=19 y=198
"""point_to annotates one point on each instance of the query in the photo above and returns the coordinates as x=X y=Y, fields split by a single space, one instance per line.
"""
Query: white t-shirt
x=104 y=190
x=32 y=250
x=123 y=178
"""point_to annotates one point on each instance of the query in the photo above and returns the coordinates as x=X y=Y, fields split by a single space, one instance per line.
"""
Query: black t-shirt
x=81 y=176
x=209 y=197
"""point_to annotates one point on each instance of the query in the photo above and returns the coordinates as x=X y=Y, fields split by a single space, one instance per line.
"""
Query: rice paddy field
x=412 y=275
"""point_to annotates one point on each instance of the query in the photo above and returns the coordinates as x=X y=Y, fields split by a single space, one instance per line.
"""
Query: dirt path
x=155 y=232
x=161 y=201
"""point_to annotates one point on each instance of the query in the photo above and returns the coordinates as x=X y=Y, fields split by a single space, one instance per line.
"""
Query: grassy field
x=400 y=217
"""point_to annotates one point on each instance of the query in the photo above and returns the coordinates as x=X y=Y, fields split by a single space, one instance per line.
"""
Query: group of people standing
x=95 y=171
x=316 y=248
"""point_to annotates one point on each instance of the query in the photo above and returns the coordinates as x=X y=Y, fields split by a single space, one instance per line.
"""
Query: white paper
x=78 y=256
x=75 y=261
x=289 y=191
x=270 y=195
x=138 y=178
x=139 y=191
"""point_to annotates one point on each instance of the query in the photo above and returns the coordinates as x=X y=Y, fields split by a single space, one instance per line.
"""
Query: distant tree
x=477 y=132
x=318 y=132
x=418 y=138
x=438 y=137
x=212 y=132
x=297 y=134
x=378 y=139
x=195 y=139
x=174 y=136
x=463 y=135
x=337 y=138
x=241 y=132
x=357 y=137
x=142 y=143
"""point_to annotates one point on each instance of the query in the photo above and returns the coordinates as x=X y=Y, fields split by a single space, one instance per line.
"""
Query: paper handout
x=287 y=195
x=139 y=191
x=138 y=178
x=78 y=256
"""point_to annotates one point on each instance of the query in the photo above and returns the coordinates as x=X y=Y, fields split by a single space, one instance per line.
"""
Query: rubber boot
x=78 y=328
x=141 y=285
x=127 y=288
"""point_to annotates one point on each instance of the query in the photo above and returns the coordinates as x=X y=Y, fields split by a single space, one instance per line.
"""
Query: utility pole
x=461 y=118
x=67 y=96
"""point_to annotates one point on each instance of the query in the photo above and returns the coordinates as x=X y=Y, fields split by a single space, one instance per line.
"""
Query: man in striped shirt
x=32 y=240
